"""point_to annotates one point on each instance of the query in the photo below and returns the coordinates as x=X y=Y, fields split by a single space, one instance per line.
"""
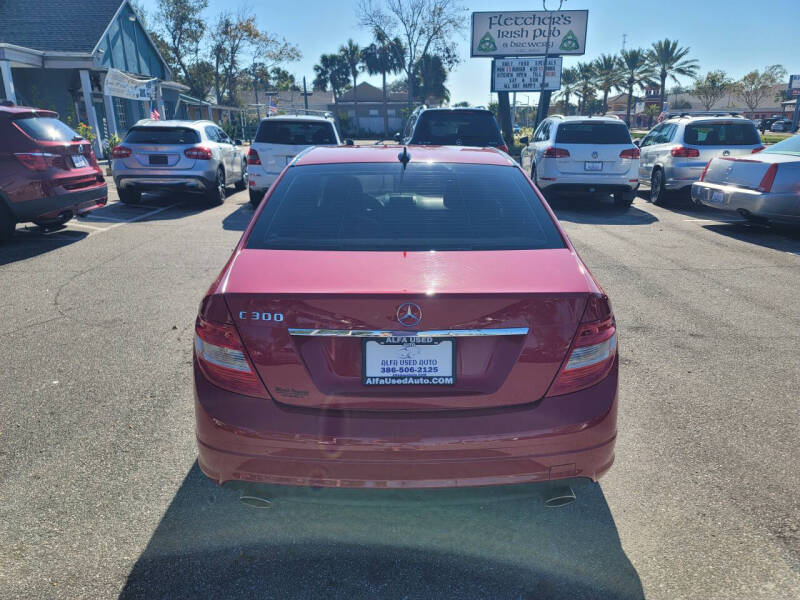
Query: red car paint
x=38 y=179
x=301 y=415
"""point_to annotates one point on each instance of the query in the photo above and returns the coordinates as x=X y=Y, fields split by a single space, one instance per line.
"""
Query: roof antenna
x=404 y=157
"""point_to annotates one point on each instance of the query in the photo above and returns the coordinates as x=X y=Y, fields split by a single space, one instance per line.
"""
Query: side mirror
x=396 y=137
x=637 y=142
x=524 y=140
x=237 y=142
x=349 y=142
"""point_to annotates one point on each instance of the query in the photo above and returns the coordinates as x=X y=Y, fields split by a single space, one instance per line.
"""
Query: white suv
x=583 y=155
x=278 y=140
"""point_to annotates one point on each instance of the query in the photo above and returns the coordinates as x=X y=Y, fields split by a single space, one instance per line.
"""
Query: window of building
x=121 y=113
x=373 y=112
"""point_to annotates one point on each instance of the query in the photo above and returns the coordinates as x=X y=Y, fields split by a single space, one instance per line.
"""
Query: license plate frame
x=440 y=350
x=593 y=165
x=159 y=160
x=79 y=161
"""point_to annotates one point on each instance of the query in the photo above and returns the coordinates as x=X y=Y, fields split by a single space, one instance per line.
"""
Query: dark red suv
x=48 y=173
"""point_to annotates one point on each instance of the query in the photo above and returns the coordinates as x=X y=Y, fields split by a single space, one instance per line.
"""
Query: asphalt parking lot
x=101 y=497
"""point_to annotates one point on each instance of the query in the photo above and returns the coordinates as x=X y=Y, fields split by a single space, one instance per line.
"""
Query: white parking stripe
x=87 y=226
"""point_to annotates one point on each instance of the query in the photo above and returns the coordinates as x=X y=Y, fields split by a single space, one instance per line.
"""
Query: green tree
x=268 y=52
x=608 y=75
x=231 y=38
x=569 y=86
x=181 y=29
x=669 y=60
x=711 y=87
x=651 y=110
x=354 y=57
x=331 y=72
x=638 y=73
x=381 y=59
x=586 y=89
x=283 y=80
x=754 y=87
x=431 y=74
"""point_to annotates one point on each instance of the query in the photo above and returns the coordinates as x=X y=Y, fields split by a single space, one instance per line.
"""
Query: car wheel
x=129 y=196
x=241 y=185
x=657 y=192
x=7 y=223
x=256 y=197
x=216 y=195
x=624 y=199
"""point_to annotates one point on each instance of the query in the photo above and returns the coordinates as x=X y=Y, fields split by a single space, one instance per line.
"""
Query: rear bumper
x=591 y=188
x=51 y=206
x=251 y=439
x=678 y=177
x=152 y=183
x=260 y=178
x=784 y=208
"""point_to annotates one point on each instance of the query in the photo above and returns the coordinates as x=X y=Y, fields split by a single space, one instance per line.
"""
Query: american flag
x=273 y=110
x=155 y=115
x=663 y=114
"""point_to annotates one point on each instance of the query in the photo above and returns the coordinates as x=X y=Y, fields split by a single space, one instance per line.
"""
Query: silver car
x=763 y=188
x=185 y=156
x=675 y=152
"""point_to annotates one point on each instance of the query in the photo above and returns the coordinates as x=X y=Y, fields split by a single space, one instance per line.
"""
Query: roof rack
x=682 y=115
x=556 y=116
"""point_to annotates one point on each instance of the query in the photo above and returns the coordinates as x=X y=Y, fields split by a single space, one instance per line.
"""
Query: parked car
x=781 y=125
x=278 y=140
x=48 y=173
x=452 y=127
x=363 y=335
x=675 y=152
x=764 y=187
x=582 y=155
x=182 y=156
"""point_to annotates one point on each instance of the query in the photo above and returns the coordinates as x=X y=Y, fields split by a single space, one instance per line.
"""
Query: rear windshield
x=47 y=129
x=162 y=135
x=593 y=133
x=788 y=146
x=457 y=128
x=296 y=133
x=722 y=134
x=424 y=207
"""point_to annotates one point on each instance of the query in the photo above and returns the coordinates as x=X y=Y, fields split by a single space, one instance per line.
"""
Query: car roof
x=320 y=155
x=21 y=110
x=297 y=118
x=599 y=118
x=457 y=109
x=173 y=123
x=691 y=118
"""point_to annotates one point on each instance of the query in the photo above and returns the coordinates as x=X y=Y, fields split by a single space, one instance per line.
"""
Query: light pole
x=544 y=96
x=132 y=19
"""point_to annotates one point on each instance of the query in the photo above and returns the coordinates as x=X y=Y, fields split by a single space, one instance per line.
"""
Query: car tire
x=241 y=185
x=129 y=196
x=216 y=195
x=7 y=223
x=624 y=199
x=657 y=192
x=256 y=197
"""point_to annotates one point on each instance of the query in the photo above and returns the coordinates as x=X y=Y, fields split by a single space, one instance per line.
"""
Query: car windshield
x=162 y=135
x=456 y=128
x=296 y=133
x=589 y=132
x=788 y=146
x=47 y=129
x=422 y=207
x=722 y=133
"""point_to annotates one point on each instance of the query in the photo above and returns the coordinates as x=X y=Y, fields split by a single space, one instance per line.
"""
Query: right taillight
x=758 y=149
x=630 y=153
x=705 y=170
x=553 y=152
x=768 y=179
x=220 y=352
x=684 y=152
x=120 y=152
x=253 y=158
x=593 y=350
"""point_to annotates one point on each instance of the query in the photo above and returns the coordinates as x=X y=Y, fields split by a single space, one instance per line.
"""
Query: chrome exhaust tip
x=559 y=496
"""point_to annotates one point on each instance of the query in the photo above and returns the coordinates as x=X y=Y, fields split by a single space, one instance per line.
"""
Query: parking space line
x=145 y=215
x=101 y=218
x=87 y=226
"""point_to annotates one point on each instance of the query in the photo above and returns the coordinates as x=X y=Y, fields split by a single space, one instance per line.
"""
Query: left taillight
x=39 y=161
x=684 y=152
x=593 y=350
x=198 y=153
x=120 y=152
x=220 y=352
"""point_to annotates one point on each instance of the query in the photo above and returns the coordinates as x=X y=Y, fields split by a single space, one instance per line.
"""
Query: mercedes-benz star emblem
x=594 y=154
x=409 y=314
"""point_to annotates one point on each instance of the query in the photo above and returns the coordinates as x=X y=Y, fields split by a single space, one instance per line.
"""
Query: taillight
x=684 y=152
x=253 y=158
x=503 y=147
x=120 y=152
x=198 y=153
x=39 y=161
x=593 y=350
x=703 y=174
x=768 y=179
x=220 y=352
x=630 y=153
x=553 y=152
x=757 y=150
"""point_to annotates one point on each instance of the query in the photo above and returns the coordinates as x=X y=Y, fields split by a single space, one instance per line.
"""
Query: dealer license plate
x=593 y=165
x=79 y=161
x=408 y=360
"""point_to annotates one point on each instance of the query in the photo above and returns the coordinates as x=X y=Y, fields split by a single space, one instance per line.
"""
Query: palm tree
x=586 y=88
x=380 y=58
x=331 y=71
x=608 y=75
x=431 y=74
x=638 y=72
x=569 y=86
x=354 y=56
x=670 y=61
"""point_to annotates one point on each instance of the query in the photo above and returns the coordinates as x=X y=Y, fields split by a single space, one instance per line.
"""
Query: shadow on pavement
x=483 y=543
x=170 y=206
x=239 y=219
x=599 y=211
x=29 y=241
x=778 y=237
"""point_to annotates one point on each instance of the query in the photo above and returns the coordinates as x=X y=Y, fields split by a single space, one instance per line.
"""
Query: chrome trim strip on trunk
x=436 y=333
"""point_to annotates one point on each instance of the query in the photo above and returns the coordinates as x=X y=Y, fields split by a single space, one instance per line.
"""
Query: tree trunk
x=605 y=101
x=355 y=103
x=410 y=87
x=663 y=85
x=385 y=110
x=628 y=111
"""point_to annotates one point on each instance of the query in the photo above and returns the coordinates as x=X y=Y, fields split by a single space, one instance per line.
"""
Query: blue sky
x=723 y=34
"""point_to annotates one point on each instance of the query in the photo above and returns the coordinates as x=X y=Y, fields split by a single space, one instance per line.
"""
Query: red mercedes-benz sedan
x=406 y=319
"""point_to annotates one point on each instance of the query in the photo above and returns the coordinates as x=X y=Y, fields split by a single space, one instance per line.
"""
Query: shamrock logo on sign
x=487 y=43
x=570 y=42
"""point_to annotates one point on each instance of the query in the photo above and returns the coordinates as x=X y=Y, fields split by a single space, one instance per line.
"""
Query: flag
x=663 y=114
x=273 y=110
x=154 y=114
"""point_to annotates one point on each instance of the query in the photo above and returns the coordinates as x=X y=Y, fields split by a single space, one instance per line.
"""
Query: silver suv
x=675 y=152
x=186 y=156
